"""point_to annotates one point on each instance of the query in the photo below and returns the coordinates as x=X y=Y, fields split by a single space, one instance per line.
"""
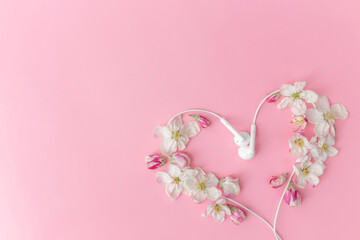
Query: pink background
x=83 y=83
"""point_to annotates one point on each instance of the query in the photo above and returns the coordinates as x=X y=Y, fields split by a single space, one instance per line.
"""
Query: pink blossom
x=154 y=161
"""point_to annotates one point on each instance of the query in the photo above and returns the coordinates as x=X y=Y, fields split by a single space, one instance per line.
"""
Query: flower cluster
x=310 y=155
x=180 y=178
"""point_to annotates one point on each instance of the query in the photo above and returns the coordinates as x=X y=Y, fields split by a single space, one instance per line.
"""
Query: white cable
x=195 y=110
x=261 y=103
x=266 y=222
x=281 y=199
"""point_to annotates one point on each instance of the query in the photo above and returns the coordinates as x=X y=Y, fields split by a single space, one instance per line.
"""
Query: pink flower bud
x=154 y=161
x=277 y=181
x=230 y=186
x=237 y=215
x=292 y=196
x=202 y=121
x=180 y=159
x=273 y=98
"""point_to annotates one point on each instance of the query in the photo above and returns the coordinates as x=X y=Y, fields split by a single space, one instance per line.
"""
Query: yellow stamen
x=299 y=142
x=217 y=208
x=176 y=180
x=329 y=116
x=296 y=95
x=305 y=171
x=175 y=135
x=201 y=186
x=324 y=148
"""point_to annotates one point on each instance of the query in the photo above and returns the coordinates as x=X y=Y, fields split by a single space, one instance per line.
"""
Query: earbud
x=248 y=152
x=241 y=138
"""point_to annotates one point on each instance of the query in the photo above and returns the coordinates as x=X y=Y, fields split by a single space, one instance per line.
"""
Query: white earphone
x=244 y=140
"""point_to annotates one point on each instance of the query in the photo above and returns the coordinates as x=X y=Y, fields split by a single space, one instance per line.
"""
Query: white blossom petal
x=313 y=180
x=322 y=104
x=330 y=140
x=211 y=180
x=163 y=178
x=173 y=170
x=287 y=90
x=298 y=86
x=210 y=209
x=298 y=107
x=198 y=196
x=176 y=123
x=168 y=146
x=162 y=132
x=332 y=151
x=213 y=193
x=317 y=168
x=300 y=181
x=309 y=96
x=339 y=111
x=286 y=102
x=321 y=128
x=313 y=115
x=332 y=130
x=181 y=143
x=219 y=217
x=190 y=129
x=191 y=184
x=173 y=191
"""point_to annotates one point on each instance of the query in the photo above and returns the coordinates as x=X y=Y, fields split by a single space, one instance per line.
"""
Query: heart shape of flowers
x=310 y=155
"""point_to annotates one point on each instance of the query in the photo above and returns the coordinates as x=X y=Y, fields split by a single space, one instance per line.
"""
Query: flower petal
x=226 y=209
x=213 y=193
x=339 y=111
x=317 y=168
x=173 y=191
x=287 y=90
x=191 y=184
x=332 y=130
x=313 y=179
x=162 y=132
x=309 y=96
x=330 y=140
x=211 y=180
x=286 y=102
x=313 y=115
x=322 y=104
x=332 y=151
x=321 y=128
x=176 y=123
x=163 y=178
x=173 y=170
x=209 y=210
x=298 y=86
x=182 y=141
x=298 y=107
x=219 y=217
x=190 y=129
x=198 y=196
x=168 y=146
x=300 y=181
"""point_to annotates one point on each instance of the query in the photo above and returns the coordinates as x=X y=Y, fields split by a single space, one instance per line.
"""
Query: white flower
x=203 y=186
x=308 y=171
x=324 y=116
x=218 y=210
x=299 y=123
x=323 y=148
x=174 y=180
x=294 y=95
x=299 y=146
x=230 y=186
x=176 y=135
